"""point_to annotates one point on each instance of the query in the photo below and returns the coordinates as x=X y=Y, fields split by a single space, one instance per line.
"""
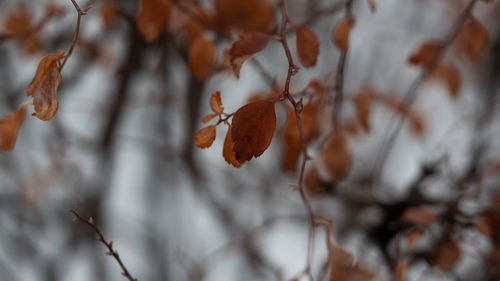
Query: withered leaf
x=336 y=156
x=108 y=14
x=202 y=57
x=205 y=137
x=227 y=150
x=341 y=34
x=372 y=5
x=216 y=103
x=252 y=129
x=427 y=53
x=9 y=127
x=249 y=44
x=413 y=236
x=363 y=103
x=43 y=88
x=18 y=21
x=244 y=15
x=447 y=256
x=401 y=269
x=449 y=73
x=152 y=15
x=307 y=46
x=209 y=117
x=419 y=215
x=344 y=266
x=474 y=38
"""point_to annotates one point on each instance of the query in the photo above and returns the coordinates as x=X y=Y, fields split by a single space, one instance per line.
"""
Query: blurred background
x=121 y=147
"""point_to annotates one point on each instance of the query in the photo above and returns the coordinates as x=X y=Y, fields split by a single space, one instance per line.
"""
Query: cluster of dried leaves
x=250 y=26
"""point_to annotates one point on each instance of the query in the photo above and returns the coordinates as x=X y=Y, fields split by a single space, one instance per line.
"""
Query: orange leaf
x=307 y=46
x=207 y=118
x=252 y=129
x=474 y=38
x=108 y=14
x=336 y=156
x=419 y=215
x=205 y=137
x=18 y=21
x=344 y=266
x=227 y=150
x=245 y=47
x=341 y=34
x=290 y=158
x=43 y=88
x=413 y=236
x=362 y=102
x=313 y=183
x=201 y=57
x=447 y=256
x=449 y=73
x=9 y=127
x=244 y=15
x=216 y=103
x=427 y=54
x=151 y=17
x=372 y=5
x=401 y=269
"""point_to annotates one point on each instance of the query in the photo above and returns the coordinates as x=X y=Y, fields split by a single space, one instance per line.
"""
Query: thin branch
x=411 y=94
x=292 y=70
x=77 y=31
x=100 y=238
x=339 y=76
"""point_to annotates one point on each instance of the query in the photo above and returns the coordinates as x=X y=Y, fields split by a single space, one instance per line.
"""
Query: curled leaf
x=244 y=48
x=227 y=150
x=201 y=57
x=341 y=34
x=9 y=127
x=205 y=137
x=474 y=38
x=307 y=46
x=427 y=54
x=152 y=15
x=252 y=129
x=216 y=103
x=43 y=88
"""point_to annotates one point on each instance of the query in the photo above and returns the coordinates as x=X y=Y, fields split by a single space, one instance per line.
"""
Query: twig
x=77 y=31
x=292 y=70
x=411 y=94
x=100 y=238
x=339 y=76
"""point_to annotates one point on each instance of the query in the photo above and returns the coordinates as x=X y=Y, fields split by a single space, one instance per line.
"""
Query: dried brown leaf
x=427 y=53
x=474 y=38
x=18 y=21
x=207 y=118
x=244 y=15
x=307 y=46
x=216 y=103
x=249 y=44
x=447 y=256
x=372 y=5
x=344 y=266
x=108 y=14
x=363 y=104
x=43 y=88
x=227 y=150
x=449 y=73
x=420 y=215
x=341 y=34
x=202 y=57
x=9 y=127
x=401 y=269
x=252 y=129
x=152 y=15
x=205 y=137
x=336 y=156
